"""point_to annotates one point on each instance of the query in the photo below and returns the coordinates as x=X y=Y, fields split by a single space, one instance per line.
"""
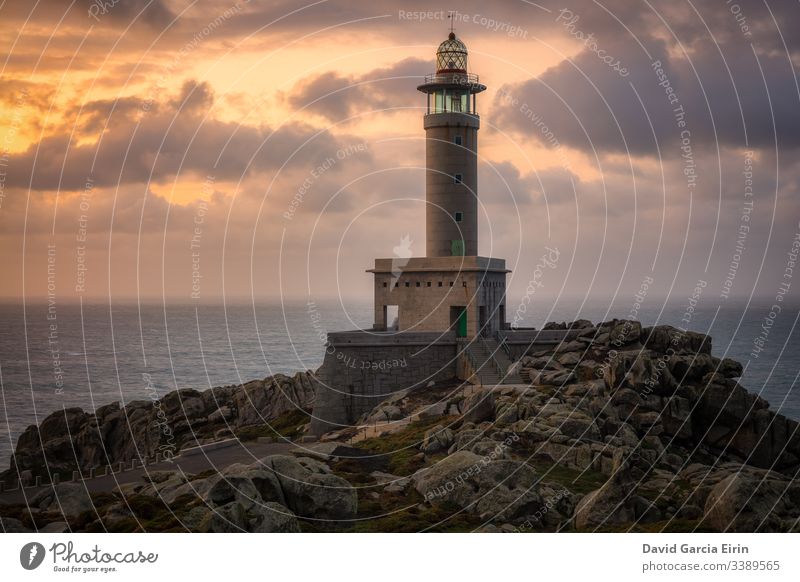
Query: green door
x=457 y=248
x=461 y=327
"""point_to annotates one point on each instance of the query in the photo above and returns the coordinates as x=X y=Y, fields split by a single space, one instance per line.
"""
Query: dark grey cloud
x=732 y=93
x=155 y=14
x=337 y=97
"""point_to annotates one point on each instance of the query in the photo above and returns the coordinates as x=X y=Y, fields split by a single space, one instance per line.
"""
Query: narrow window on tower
x=438 y=105
x=455 y=102
x=457 y=140
x=459 y=216
x=457 y=178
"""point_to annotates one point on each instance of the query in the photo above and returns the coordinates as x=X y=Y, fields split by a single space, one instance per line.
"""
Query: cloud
x=726 y=93
x=137 y=143
x=336 y=97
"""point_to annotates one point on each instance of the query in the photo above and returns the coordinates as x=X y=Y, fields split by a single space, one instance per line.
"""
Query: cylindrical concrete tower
x=451 y=147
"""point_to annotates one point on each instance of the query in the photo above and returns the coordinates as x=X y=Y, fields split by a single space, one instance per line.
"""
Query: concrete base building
x=463 y=294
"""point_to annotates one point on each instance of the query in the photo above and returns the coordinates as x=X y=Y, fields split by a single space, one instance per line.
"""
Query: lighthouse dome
x=451 y=56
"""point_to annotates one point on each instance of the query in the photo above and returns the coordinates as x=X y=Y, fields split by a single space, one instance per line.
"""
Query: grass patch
x=574 y=480
x=401 y=447
x=581 y=482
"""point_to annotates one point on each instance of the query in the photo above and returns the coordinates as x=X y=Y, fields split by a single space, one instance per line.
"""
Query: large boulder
x=615 y=503
x=68 y=499
x=263 y=400
x=730 y=368
x=266 y=496
x=479 y=406
x=625 y=332
x=437 y=439
x=256 y=517
x=238 y=481
x=636 y=370
x=309 y=489
x=168 y=488
x=747 y=503
x=692 y=367
x=727 y=417
x=501 y=489
x=667 y=339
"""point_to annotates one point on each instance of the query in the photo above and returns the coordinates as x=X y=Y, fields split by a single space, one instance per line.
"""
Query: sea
x=88 y=355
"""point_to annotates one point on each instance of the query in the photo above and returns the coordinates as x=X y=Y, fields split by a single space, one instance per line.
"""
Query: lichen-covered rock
x=255 y=517
x=72 y=439
x=625 y=332
x=437 y=439
x=746 y=503
x=309 y=489
x=666 y=339
x=637 y=371
x=479 y=406
x=68 y=499
x=615 y=503
x=498 y=489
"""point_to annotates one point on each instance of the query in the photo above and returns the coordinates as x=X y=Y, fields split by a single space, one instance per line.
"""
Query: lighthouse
x=439 y=316
x=452 y=288
x=451 y=126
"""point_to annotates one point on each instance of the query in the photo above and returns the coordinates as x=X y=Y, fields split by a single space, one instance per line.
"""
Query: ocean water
x=92 y=355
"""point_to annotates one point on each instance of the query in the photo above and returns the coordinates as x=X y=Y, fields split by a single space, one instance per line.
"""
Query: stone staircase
x=490 y=362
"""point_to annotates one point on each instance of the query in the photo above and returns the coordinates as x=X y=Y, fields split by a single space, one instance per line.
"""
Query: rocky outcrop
x=268 y=496
x=663 y=382
x=650 y=427
x=308 y=488
x=746 y=501
x=479 y=406
x=621 y=428
x=437 y=439
x=491 y=488
x=74 y=439
x=615 y=503
x=68 y=499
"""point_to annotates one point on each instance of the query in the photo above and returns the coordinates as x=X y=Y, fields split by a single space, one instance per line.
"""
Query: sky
x=178 y=150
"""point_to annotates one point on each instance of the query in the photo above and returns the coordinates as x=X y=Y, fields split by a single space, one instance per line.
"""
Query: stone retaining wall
x=362 y=368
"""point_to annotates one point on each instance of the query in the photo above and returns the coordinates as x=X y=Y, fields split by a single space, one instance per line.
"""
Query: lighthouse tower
x=451 y=146
x=451 y=288
x=438 y=316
